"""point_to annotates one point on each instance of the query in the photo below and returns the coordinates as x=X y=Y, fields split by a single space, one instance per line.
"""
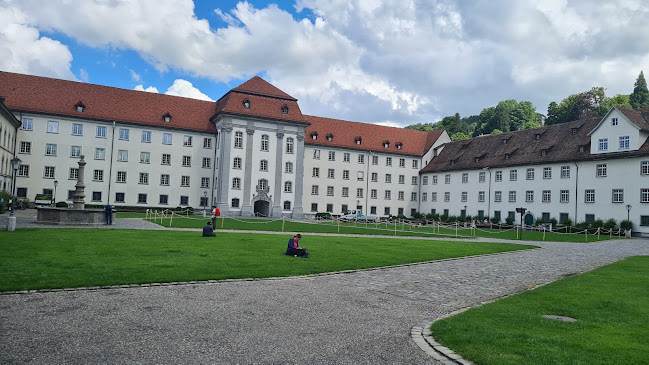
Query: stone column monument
x=78 y=198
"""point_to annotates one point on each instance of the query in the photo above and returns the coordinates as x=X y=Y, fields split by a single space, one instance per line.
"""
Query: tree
x=640 y=96
x=459 y=136
x=576 y=105
x=619 y=100
x=426 y=127
x=508 y=115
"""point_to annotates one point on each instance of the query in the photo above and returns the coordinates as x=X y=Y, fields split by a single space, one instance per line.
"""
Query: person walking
x=216 y=212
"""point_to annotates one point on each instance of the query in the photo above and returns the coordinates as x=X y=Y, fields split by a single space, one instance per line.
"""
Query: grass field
x=372 y=228
x=610 y=304
x=62 y=258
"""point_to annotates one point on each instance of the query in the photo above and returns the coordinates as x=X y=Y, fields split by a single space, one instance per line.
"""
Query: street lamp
x=11 y=223
x=205 y=203
x=56 y=183
x=628 y=215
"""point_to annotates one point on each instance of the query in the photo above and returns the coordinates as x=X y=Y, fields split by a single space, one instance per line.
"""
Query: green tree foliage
x=640 y=96
x=620 y=101
x=452 y=124
x=508 y=115
x=577 y=105
x=459 y=136
x=426 y=127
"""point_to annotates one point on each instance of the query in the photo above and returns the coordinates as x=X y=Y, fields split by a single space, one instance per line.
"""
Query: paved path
x=352 y=318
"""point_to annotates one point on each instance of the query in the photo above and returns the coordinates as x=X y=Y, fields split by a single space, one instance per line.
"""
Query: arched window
x=287 y=205
x=236 y=183
x=264 y=142
x=289 y=145
x=236 y=163
x=263 y=165
x=288 y=168
x=246 y=104
x=288 y=187
x=262 y=184
x=285 y=109
x=238 y=140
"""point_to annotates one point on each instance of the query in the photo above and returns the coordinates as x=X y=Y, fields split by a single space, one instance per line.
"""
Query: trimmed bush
x=610 y=224
x=61 y=205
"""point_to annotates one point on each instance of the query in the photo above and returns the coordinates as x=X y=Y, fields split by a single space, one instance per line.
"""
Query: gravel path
x=348 y=318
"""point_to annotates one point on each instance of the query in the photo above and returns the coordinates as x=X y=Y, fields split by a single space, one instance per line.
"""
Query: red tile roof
x=638 y=117
x=58 y=97
x=259 y=86
x=263 y=105
x=344 y=133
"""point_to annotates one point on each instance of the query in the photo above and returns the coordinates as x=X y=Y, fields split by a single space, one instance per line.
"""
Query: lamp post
x=628 y=218
x=56 y=183
x=205 y=203
x=11 y=223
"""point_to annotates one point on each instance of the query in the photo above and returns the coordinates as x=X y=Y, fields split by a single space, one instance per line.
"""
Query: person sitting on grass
x=208 y=231
x=293 y=248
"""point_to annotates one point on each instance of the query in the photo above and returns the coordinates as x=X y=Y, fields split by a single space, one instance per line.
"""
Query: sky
x=393 y=62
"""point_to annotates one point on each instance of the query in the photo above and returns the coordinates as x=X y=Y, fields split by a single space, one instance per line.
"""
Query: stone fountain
x=77 y=215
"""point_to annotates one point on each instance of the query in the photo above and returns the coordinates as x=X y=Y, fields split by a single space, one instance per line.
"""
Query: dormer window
x=330 y=137
x=386 y=144
x=314 y=136
x=399 y=145
x=80 y=107
x=435 y=152
x=507 y=155
x=504 y=140
x=167 y=118
x=357 y=140
x=537 y=136
x=544 y=152
x=575 y=130
x=581 y=148
x=285 y=109
x=246 y=104
x=613 y=121
x=477 y=159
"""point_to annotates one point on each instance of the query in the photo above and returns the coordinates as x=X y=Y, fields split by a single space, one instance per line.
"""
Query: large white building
x=253 y=152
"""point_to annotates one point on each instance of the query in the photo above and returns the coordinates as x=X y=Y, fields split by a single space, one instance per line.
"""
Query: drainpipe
x=367 y=182
x=214 y=184
x=576 y=192
x=488 y=193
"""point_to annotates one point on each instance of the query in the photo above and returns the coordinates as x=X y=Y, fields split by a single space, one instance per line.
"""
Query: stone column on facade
x=224 y=170
x=79 y=195
x=279 y=152
x=246 y=207
x=298 y=211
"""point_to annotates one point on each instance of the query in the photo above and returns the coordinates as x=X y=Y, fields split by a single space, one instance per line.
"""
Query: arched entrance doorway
x=262 y=201
x=529 y=219
x=261 y=208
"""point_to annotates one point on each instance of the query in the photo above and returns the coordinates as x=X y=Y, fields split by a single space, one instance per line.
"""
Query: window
x=205 y=183
x=447 y=179
x=359 y=192
x=23 y=170
x=345 y=192
x=386 y=211
x=624 y=143
x=98 y=175
x=288 y=187
x=119 y=197
x=166 y=159
x=315 y=190
x=402 y=162
x=287 y=205
x=166 y=138
x=547 y=196
x=388 y=161
x=330 y=191
x=415 y=164
x=590 y=195
x=316 y=172
x=345 y=174
x=330 y=173
x=601 y=170
x=207 y=163
x=74 y=173
x=184 y=200
x=288 y=167
x=121 y=176
x=27 y=124
x=402 y=179
x=565 y=172
x=96 y=196
x=144 y=178
x=447 y=196
x=465 y=178
x=101 y=132
x=284 y=109
x=413 y=197
x=238 y=139
x=590 y=218
x=236 y=183
x=184 y=180
x=433 y=197
x=373 y=210
x=513 y=175
x=361 y=158
x=236 y=163
x=424 y=197
x=316 y=154
x=564 y=196
x=164 y=199
x=375 y=177
x=330 y=208
x=512 y=197
x=547 y=172
x=164 y=179
x=482 y=177
x=424 y=180
x=21 y=192
x=53 y=127
x=263 y=165
x=529 y=175
x=388 y=178
x=314 y=207
x=618 y=196
x=346 y=157
x=100 y=153
x=529 y=196
x=613 y=121
x=644 y=168
x=499 y=176
x=332 y=156
x=187 y=141
x=400 y=195
x=374 y=193
x=465 y=196
x=146 y=136
x=77 y=129
x=434 y=179
x=145 y=157
x=644 y=220
x=122 y=155
x=414 y=180
x=187 y=161
x=603 y=144
x=264 y=143
x=50 y=149
x=207 y=142
x=644 y=195
x=123 y=134
x=141 y=198
x=498 y=196
x=375 y=160
x=289 y=145
x=481 y=196
x=388 y=195
x=25 y=147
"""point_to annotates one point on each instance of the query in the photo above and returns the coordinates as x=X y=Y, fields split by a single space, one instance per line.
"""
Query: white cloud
x=83 y=75
x=185 y=88
x=150 y=89
x=135 y=76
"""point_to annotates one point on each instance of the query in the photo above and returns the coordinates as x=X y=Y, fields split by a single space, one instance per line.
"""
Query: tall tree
x=576 y=105
x=640 y=96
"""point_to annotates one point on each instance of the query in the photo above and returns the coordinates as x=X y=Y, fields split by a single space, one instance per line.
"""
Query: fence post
x=586 y=230
x=395 y=227
x=282 y=223
x=338 y=225
x=543 y=233
x=598 y=233
x=456 y=226
x=171 y=219
x=222 y=219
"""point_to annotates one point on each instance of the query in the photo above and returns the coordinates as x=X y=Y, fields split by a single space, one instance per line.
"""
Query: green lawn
x=371 y=228
x=60 y=258
x=611 y=304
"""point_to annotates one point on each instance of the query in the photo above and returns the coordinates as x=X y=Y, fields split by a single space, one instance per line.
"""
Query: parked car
x=355 y=216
